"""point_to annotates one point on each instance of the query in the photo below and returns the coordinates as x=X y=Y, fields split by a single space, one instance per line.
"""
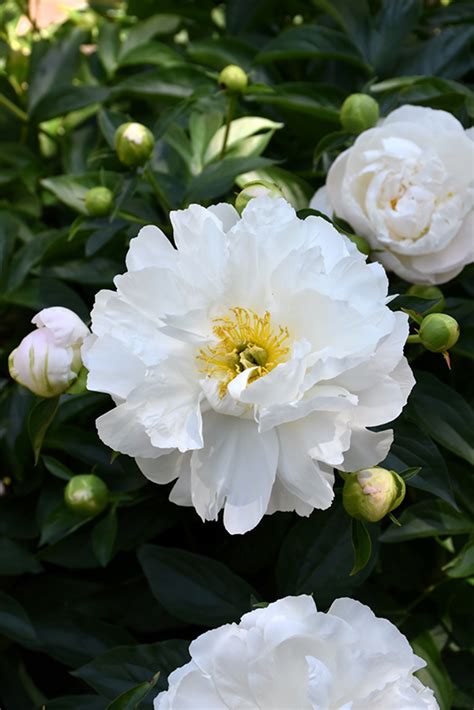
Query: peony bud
x=86 y=494
x=233 y=78
x=430 y=293
x=47 y=361
x=372 y=493
x=438 y=332
x=257 y=188
x=133 y=143
x=358 y=113
x=99 y=201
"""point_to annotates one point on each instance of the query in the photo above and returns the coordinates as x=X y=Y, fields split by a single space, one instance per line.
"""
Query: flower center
x=245 y=340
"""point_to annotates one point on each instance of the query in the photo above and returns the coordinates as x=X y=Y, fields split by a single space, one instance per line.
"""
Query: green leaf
x=195 y=589
x=444 y=55
x=219 y=177
x=121 y=669
x=15 y=623
x=40 y=418
x=412 y=448
x=463 y=564
x=108 y=46
x=303 y=97
x=56 y=67
x=155 y=53
x=240 y=133
x=428 y=519
x=15 y=559
x=103 y=537
x=62 y=100
x=362 y=546
x=57 y=468
x=142 y=32
x=74 y=638
x=434 y=675
x=60 y=523
x=168 y=83
x=443 y=414
x=132 y=698
x=317 y=557
x=311 y=42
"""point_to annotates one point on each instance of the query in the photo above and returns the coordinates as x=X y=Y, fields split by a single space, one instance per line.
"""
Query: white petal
x=150 y=247
x=237 y=466
x=112 y=367
x=367 y=448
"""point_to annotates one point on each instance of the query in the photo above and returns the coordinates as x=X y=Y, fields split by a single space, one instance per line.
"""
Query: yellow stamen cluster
x=246 y=340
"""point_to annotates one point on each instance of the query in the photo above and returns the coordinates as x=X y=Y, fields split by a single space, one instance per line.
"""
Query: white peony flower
x=248 y=362
x=289 y=656
x=48 y=360
x=407 y=186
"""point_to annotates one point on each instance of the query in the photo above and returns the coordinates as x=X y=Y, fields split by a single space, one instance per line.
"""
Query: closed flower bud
x=134 y=143
x=48 y=360
x=258 y=188
x=86 y=494
x=431 y=293
x=438 y=332
x=372 y=493
x=99 y=201
x=233 y=78
x=358 y=113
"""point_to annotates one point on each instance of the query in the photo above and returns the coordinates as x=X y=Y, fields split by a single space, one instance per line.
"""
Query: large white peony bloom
x=248 y=362
x=289 y=656
x=407 y=186
x=48 y=360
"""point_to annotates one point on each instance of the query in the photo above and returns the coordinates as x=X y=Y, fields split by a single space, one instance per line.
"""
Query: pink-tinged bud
x=48 y=360
x=372 y=493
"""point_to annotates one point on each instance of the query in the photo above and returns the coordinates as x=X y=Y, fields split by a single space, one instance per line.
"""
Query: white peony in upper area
x=407 y=186
x=249 y=361
x=289 y=656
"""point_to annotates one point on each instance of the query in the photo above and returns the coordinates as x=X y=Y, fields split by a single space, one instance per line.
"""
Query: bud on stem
x=372 y=493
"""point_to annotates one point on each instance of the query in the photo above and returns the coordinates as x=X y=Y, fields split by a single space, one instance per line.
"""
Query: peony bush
x=236 y=246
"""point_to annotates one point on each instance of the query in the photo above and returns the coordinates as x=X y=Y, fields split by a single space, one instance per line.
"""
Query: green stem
x=13 y=108
x=414 y=339
x=162 y=199
x=132 y=218
x=230 y=113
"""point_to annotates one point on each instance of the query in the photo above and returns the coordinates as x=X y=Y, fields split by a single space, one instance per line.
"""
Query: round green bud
x=257 y=188
x=362 y=244
x=134 y=144
x=372 y=493
x=86 y=494
x=233 y=78
x=430 y=293
x=358 y=113
x=99 y=201
x=438 y=332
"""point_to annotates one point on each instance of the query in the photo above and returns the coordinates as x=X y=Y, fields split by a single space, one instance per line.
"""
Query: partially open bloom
x=289 y=656
x=48 y=360
x=408 y=186
x=248 y=362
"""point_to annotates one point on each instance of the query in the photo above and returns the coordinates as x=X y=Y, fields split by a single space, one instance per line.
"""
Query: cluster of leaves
x=92 y=609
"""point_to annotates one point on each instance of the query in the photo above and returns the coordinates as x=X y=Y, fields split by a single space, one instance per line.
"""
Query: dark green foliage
x=93 y=608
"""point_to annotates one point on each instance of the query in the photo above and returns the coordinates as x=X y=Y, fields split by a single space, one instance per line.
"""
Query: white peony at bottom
x=249 y=361
x=289 y=656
